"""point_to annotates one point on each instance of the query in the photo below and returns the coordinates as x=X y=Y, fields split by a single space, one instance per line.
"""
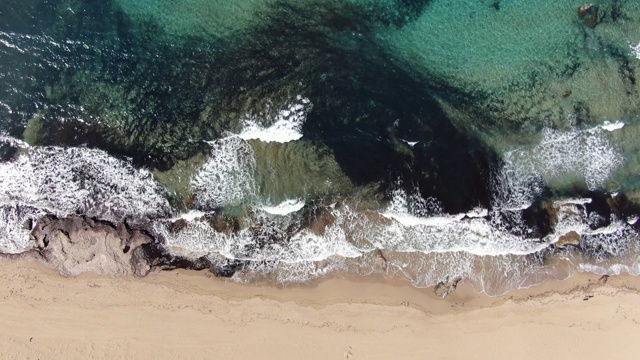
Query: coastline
x=189 y=314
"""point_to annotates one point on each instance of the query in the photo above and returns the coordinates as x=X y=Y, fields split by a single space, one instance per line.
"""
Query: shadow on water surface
x=381 y=121
x=139 y=92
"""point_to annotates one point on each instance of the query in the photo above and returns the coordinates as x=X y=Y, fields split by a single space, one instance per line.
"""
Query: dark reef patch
x=366 y=105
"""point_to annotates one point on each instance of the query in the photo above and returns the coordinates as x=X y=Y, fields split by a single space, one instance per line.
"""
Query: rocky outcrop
x=584 y=10
x=446 y=287
x=76 y=244
x=588 y=13
x=570 y=238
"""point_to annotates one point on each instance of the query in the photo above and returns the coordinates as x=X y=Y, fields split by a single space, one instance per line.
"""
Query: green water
x=372 y=121
x=152 y=79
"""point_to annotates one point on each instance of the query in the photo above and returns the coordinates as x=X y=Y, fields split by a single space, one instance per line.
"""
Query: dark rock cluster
x=76 y=244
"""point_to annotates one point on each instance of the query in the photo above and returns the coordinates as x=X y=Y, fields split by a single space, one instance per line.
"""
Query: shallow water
x=303 y=138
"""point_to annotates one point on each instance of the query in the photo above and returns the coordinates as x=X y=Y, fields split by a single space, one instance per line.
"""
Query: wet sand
x=191 y=315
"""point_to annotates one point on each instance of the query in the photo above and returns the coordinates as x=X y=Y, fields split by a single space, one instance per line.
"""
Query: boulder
x=584 y=10
x=446 y=287
x=589 y=13
x=570 y=238
x=77 y=244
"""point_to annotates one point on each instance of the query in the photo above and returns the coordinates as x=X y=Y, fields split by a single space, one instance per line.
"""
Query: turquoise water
x=336 y=127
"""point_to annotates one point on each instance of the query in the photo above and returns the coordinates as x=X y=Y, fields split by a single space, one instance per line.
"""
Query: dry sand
x=188 y=315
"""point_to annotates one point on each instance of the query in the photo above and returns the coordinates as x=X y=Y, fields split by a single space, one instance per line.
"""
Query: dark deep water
x=295 y=139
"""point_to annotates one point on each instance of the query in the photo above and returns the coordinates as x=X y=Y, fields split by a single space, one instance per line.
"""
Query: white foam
x=13 y=237
x=410 y=220
x=612 y=126
x=418 y=241
x=10 y=140
x=478 y=212
x=53 y=180
x=285 y=207
x=308 y=246
x=572 y=201
x=81 y=180
x=632 y=219
x=227 y=178
x=284 y=126
x=514 y=189
x=410 y=143
x=12 y=46
x=559 y=155
x=635 y=49
x=448 y=233
x=198 y=238
x=613 y=228
x=190 y=216
x=614 y=269
x=572 y=217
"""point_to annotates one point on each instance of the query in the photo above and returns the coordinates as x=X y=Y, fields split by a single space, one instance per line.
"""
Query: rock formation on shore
x=75 y=244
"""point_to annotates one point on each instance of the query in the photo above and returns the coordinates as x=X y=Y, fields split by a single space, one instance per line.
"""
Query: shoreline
x=190 y=314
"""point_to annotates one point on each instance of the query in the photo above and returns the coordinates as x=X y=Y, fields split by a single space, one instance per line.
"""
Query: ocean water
x=293 y=140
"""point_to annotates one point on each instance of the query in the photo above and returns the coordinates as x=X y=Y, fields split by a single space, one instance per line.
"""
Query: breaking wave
x=283 y=126
x=583 y=155
x=293 y=190
x=285 y=207
x=65 y=181
x=227 y=178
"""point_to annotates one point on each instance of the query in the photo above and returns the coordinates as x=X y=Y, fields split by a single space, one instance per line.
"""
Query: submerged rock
x=584 y=10
x=589 y=13
x=224 y=224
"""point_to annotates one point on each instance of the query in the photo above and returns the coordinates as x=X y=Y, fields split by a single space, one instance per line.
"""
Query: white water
x=13 y=237
x=573 y=217
x=419 y=241
x=612 y=126
x=615 y=269
x=227 y=178
x=284 y=126
x=10 y=140
x=451 y=233
x=199 y=239
x=189 y=216
x=285 y=207
x=585 y=154
x=411 y=143
x=635 y=49
x=81 y=180
x=63 y=181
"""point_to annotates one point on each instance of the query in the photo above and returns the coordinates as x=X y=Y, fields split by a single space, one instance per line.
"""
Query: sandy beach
x=191 y=315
